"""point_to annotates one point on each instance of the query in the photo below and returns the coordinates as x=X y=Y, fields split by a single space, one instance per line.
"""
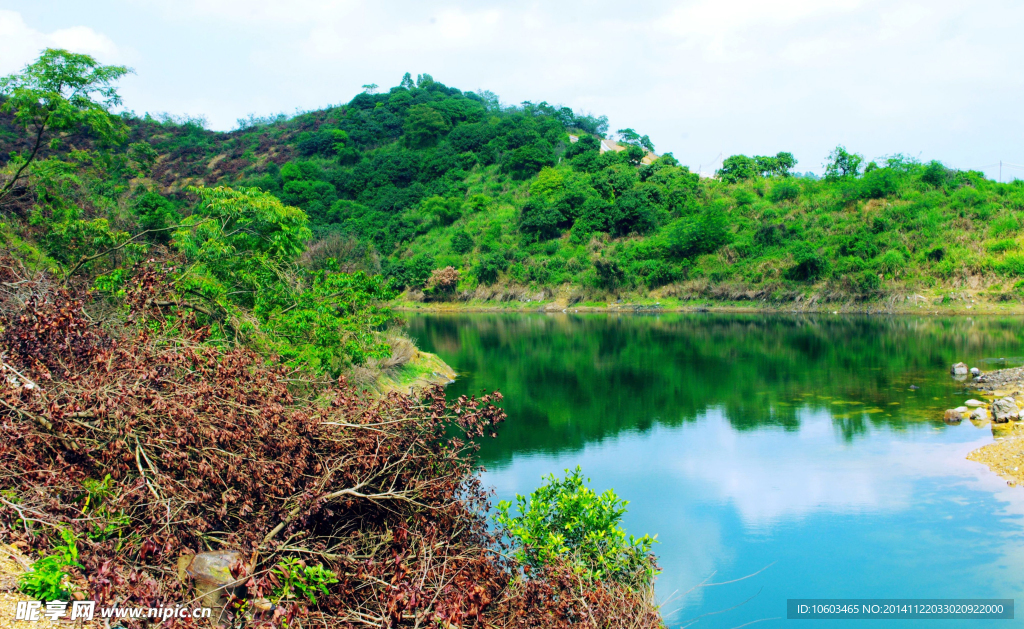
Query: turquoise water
x=789 y=447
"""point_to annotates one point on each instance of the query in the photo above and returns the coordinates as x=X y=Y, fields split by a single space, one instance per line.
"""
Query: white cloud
x=20 y=44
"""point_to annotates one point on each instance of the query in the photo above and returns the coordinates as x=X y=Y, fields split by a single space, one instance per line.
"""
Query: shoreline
x=1005 y=455
x=702 y=306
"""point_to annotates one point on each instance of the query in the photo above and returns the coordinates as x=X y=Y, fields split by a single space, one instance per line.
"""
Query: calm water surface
x=743 y=442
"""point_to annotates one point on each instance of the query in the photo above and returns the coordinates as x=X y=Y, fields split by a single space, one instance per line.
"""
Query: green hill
x=522 y=203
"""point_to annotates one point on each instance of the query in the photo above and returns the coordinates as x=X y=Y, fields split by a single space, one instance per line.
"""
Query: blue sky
x=704 y=78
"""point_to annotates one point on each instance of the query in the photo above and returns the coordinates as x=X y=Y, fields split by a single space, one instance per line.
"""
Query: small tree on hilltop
x=842 y=164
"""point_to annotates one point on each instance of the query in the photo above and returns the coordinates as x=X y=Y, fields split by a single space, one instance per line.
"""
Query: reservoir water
x=806 y=451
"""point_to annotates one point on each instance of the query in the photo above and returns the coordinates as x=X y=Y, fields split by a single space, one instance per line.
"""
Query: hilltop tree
x=842 y=164
x=631 y=137
x=737 y=168
x=778 y=166
x=740 y=167
x=62 y=91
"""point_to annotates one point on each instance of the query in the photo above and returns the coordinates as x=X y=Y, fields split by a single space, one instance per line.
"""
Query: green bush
x=47 y=578
x=744 y=196
x=1003 y=225
x=891 y=262
x=705 y=233
x=540 y=221
x=867 y=281
x=880 y=183
x=784 y=190
x=489 y=266
x=810 y=265
x=1012 y=264
x=1001 y=246
x=462 y=243
x=566 y=521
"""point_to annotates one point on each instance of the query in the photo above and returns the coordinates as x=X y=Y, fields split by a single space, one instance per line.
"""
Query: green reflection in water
x=573 y=379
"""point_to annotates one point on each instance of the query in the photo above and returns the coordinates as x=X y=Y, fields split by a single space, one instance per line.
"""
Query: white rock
x=974 y=403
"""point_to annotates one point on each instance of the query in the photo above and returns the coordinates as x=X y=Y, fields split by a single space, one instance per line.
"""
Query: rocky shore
x=1004 y=390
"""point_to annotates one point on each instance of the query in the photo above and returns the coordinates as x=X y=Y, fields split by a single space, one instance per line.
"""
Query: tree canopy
x=63 y=91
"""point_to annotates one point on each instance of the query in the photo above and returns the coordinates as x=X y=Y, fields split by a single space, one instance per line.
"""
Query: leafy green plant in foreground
x=47 y=578
x=566 y=521
x=298 y=579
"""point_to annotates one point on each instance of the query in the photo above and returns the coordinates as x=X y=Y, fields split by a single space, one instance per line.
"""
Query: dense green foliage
x=227 y=256
x=564 y=520
x=425 y=176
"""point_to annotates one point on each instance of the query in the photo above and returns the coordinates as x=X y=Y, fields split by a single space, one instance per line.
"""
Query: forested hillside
x=521 y=202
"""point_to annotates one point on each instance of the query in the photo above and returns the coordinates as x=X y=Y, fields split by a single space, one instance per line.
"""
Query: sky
x=705 y=79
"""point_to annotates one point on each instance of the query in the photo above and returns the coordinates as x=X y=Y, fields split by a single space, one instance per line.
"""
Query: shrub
x=1003 y=225
x=654 y=273
x=443 y=281
x=891 y=262
x=706 y=233
x=609 y=273
x=1001 y=246
x=879 y=183
x=634 y=214
x=444 y=210
x=1012 y=264
x=47 y=579
x=770 y=235
x=489 y=267
x=744 y=197
x=936 y=174
x=810 y=265
x=564 y=520
x=415 y=271
x=785 y=190
x=462 y=242
x=868 y=281
x=540 y=221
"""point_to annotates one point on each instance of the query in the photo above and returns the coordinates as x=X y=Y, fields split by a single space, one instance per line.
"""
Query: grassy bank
x=963 y=302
